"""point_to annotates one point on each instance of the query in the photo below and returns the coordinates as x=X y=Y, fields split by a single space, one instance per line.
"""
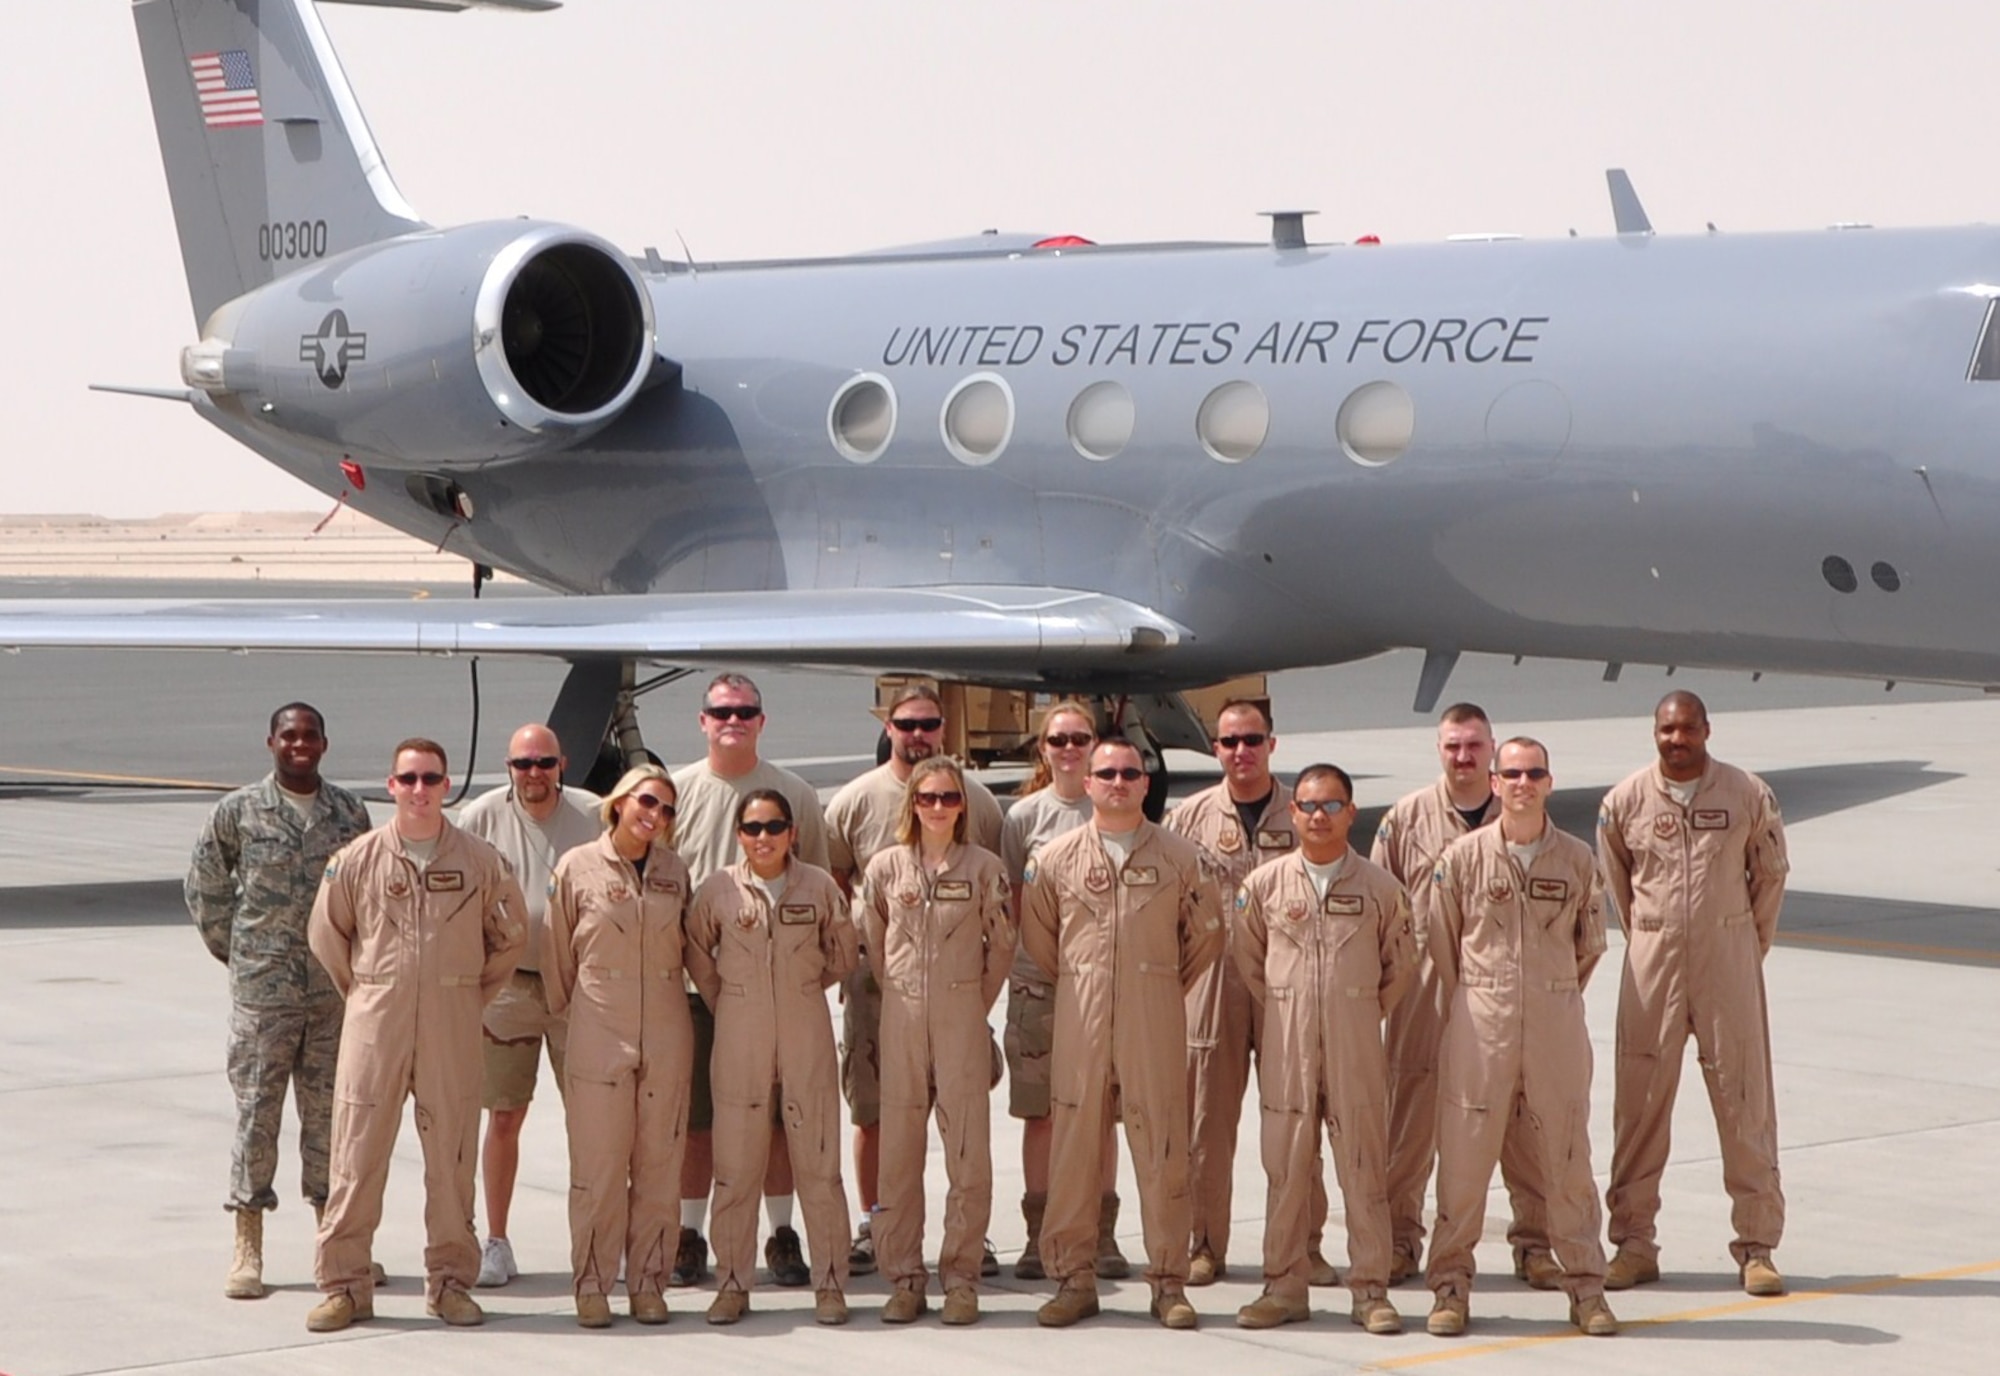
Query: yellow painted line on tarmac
x=86 y=776
x=1900 y=948
x=1457 y=1353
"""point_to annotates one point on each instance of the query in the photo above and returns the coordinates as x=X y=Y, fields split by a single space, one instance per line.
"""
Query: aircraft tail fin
x=269 y=162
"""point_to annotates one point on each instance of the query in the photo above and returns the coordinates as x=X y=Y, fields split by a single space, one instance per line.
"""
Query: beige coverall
x=1697 y=890
x=417 y=952
x=1224 y=1023
x=765 y=969
x=1411 y=837
x=1124 y=945
x=1513 y=949
x=943 y=943
x=861 y=823
x=611 y=958
x=1324 y=971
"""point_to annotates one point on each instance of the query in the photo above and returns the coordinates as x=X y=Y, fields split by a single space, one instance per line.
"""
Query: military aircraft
x=1042 y=463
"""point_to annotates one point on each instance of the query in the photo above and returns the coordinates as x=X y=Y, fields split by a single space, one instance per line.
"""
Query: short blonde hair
x=607 y=811
x=907 y=826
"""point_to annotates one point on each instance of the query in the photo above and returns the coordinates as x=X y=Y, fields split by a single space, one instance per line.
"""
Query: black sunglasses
x=1058 y=740
x=430 y=778
x=951 y=798
x=911 y=725
x=1253 y=739
x=777 y=826
x=524 y=763
x=739 y=713
x=1128 y=773
x=1537 y=774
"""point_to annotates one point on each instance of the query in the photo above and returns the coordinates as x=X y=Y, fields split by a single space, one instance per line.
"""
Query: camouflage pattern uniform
x=250 y=889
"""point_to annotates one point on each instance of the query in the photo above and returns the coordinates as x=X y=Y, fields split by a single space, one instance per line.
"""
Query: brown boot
x=1076 y=1300
x=1111 y=1263
x=246 y=1268
x=1029 y=1267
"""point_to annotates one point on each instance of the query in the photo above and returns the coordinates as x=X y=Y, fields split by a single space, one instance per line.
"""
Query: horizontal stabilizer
x=998 y=631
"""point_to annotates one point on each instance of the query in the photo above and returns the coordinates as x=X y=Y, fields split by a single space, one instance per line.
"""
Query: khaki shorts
x=517 y=1022
x=1030 y=1038
x=861 y=1047
x=701 y=1094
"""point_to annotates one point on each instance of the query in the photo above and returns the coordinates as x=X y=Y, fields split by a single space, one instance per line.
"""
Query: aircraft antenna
x=688 y=254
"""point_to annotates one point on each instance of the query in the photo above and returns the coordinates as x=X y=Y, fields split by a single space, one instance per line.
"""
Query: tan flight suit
x=943 y=943
x=1125 y=944
x=1224 y=1023
x=1324 y=971
x=1408 y=842
x=1514 y=947
x=417 y=952
x=1697 y=890
x=611 y=958
x=861 y=823
x=765 y=969
x=1032 y=822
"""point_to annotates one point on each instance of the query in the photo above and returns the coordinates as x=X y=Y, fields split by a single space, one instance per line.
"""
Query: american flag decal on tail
x=227 y=88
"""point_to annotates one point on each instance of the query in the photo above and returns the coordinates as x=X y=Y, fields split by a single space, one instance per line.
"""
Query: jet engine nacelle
x=443 y=349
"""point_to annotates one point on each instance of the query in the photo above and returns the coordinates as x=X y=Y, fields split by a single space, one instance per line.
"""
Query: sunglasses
x=912 y=725
x=652 y=804
x=1331 y=806
x=1253 y=739
x=952 y=798
x=430 y=778
x=1537 y=774
x=735 y=713
x=1128 y=773
x=1060 y=740
x=524 y=763
x=777 y=826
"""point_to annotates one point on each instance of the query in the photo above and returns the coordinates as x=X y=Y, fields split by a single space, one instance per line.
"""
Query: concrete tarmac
x=115 y=1117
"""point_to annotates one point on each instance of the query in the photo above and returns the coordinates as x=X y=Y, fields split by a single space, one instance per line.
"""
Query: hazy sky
x=763 y=127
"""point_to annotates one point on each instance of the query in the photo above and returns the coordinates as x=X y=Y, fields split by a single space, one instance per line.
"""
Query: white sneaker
x=496 y=1263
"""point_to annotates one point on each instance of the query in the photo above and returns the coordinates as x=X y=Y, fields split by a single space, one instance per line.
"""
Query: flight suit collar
x=1450 y=808
x=1661 y=782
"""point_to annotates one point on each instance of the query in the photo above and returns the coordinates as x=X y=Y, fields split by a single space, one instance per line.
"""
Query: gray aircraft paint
x=1653 y=456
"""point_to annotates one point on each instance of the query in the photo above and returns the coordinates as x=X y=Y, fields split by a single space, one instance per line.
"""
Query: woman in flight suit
x=766 y=938
x=933 y=913
x=612 y=957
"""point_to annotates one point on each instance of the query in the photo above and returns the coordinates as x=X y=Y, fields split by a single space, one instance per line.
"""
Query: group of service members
x=672 y=944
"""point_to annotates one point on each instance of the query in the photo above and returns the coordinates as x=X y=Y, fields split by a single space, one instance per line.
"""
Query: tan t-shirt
x=1032 y=823
x=705 y=829
x=532 y=847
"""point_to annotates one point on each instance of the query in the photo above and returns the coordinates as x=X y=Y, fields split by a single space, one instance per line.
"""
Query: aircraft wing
x=1004 y=632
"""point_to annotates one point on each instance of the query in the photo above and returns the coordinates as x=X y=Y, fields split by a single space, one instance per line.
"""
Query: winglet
x=1626 y=211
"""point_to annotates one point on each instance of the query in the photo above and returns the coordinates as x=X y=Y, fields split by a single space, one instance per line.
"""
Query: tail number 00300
x=291 y=239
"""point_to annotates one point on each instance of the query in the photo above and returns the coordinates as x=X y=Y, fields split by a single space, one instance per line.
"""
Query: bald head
x=535 y=766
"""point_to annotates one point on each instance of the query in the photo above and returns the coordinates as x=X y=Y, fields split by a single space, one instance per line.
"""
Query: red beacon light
x=351 y=471
x=1064 y=241
x=1368 y=239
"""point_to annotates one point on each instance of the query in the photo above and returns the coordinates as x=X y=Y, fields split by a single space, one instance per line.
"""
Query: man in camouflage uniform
x=250 y=888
